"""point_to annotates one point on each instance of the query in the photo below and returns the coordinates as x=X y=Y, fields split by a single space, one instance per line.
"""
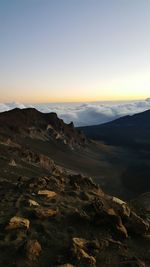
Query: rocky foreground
x=66 y=220
x=52 y=217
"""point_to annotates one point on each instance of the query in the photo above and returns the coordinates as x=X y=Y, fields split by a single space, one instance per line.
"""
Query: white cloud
x=86 y=113
x=9 y=106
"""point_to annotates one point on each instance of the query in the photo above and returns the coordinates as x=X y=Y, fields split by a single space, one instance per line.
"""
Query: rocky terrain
x=53 y=216
x=36 y=125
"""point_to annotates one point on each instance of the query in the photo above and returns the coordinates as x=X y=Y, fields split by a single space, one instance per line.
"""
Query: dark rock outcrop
x=43 y=126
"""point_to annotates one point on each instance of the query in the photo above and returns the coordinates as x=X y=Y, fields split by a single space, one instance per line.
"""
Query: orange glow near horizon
x=43 y=99
x=134 y=86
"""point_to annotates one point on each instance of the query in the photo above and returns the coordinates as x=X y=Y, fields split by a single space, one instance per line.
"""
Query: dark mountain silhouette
x=129 y=130
x=133 y=133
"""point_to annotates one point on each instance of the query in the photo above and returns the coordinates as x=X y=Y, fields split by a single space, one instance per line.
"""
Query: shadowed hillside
x=132 y=131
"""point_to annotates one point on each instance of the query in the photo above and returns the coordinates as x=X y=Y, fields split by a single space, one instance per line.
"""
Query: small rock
x=12 y=163
x=33 y=250
x=44 y=213
x=33 y=203
x=47 y=193
x=80 y=252
x=122 y=207
x=18 y=222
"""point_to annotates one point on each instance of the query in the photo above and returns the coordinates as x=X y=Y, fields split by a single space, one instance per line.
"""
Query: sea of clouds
x=86 y=113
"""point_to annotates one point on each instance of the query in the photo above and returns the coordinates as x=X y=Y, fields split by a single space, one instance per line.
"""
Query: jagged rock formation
x=37 y=125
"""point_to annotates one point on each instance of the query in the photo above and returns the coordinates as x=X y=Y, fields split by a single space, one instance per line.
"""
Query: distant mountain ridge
x=128 y=130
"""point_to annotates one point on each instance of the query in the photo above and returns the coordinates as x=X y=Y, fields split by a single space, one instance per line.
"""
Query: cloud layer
x=86 y=113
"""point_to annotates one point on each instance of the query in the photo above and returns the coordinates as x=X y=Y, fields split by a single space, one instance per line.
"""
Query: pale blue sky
x=74 y=50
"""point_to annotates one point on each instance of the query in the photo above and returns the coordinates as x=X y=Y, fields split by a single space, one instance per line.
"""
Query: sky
x=74 y=50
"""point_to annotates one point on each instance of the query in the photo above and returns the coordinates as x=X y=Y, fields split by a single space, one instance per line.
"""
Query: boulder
x=121 y=206
x=44 y=213
x=33 y=203
x=12 y=163
x=81 y=253
x=80 y=181
x=33 y=249
x=18 y=222
x=105 y=213
x=47 y=193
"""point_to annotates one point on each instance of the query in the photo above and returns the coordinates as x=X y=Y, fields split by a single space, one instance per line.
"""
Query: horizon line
x=73 y=101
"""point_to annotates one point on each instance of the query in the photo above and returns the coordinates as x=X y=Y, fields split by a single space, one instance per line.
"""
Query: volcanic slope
x=132 y=134
x=51 y=216
x=29 y=139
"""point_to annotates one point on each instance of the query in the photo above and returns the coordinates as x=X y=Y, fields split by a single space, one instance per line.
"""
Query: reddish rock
x=44 y=213
x=33 y=250
x=47 y=193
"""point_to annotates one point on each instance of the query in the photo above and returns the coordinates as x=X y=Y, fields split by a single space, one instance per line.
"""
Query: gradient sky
x=74 y=50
